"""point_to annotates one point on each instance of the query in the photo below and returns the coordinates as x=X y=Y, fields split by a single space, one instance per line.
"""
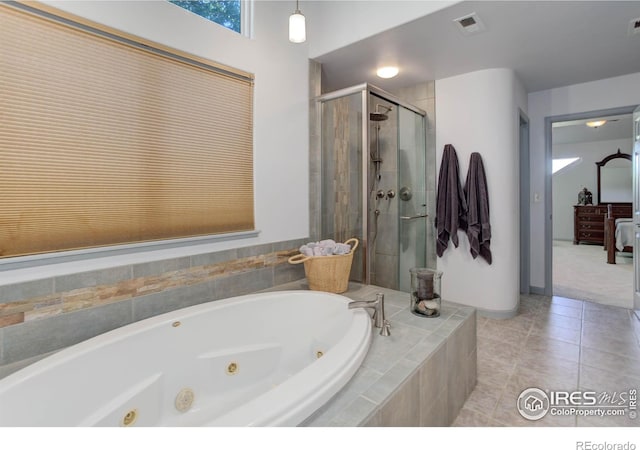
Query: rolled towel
x=306 y=251
x=326 y=247
x=342 y=249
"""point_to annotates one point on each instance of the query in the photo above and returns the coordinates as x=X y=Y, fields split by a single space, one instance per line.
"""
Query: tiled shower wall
x=315 y=152
x=41 y=316
x=339 y=218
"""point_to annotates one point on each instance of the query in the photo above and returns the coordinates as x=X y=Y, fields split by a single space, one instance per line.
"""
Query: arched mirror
x=615 y=179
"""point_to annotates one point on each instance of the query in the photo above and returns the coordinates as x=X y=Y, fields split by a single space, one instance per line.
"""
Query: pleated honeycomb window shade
x=103 y=142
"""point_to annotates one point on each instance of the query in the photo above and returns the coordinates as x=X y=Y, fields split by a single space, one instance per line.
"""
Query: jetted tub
x=261 y=360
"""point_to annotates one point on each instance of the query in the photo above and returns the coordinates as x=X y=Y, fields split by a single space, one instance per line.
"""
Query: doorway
x=575 y=262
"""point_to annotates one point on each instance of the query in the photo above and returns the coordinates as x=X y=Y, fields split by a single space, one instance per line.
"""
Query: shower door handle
x=420 y=216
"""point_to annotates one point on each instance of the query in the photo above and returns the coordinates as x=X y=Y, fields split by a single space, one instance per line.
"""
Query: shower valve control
x=391 y=194
x=380 y=194
x=405 y=194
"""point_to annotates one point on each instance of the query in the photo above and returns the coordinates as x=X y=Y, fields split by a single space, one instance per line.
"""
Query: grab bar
x=420 y=216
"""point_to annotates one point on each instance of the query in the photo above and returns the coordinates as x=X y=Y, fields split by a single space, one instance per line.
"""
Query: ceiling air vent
x=634 y=27
x=469 y=24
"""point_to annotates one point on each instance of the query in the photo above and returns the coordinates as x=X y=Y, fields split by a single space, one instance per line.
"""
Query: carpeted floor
x=581 y=272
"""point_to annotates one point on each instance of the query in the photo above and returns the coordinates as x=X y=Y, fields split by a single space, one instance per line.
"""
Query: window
x=560 y=163
x=107 y=141
x=224 y=12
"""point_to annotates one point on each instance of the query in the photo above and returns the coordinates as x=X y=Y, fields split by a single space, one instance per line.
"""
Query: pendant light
x=297 y=29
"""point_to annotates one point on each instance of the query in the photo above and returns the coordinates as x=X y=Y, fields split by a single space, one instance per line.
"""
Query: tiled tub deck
x=421 y=375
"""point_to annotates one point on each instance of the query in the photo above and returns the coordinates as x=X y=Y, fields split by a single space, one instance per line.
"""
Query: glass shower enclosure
x=373 y=151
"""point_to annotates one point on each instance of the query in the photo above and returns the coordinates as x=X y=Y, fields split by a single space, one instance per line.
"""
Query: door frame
x=548 y=188
x=525 y=209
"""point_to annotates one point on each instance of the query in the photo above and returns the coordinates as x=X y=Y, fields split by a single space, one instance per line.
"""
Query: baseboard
x=497 y=314
x=536 y=290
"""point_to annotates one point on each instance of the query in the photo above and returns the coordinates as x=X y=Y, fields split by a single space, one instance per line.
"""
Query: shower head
x=378 y=117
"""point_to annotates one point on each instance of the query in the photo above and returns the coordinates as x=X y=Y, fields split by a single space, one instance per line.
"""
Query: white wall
x=478 y=112
x=602 y=94
x=281 y=128
x=570 y=180
x=334 y=24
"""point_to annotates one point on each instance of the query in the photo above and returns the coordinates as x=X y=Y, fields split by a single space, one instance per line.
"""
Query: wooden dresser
x=588 y=221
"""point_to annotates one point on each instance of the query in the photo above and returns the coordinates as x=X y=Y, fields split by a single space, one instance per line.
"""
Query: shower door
x=397 y=194
x=382 y=164
x=412 y=195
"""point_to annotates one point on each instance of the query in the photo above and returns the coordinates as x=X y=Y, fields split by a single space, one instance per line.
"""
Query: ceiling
x=575 y=131
x=547 y=43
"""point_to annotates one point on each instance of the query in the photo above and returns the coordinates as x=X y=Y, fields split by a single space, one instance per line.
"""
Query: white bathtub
x=250 y=360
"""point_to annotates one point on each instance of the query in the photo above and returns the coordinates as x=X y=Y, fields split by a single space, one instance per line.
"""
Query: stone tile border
x=102 y=287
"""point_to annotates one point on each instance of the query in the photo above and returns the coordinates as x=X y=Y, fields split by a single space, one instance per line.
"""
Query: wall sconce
x=297 y=27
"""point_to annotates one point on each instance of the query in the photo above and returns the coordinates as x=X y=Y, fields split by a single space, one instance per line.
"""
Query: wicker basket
x=327 y=273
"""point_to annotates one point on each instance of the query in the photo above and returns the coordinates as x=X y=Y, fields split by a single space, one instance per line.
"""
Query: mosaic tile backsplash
x=44 y=315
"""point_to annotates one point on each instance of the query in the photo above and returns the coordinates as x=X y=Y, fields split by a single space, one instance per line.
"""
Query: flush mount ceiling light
x=387 y=72
x=596 y=123
x=297 y=27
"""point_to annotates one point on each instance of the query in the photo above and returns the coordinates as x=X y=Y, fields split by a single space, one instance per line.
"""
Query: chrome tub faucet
x=378 y=312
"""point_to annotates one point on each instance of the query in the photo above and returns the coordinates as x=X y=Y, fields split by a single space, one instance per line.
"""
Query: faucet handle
x=386 y=329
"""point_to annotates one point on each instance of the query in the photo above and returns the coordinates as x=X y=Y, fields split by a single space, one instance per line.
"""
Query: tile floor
x=553 y=344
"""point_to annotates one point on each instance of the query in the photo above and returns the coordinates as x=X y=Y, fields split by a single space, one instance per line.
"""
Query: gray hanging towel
x=476 y=223
x=450 y=201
